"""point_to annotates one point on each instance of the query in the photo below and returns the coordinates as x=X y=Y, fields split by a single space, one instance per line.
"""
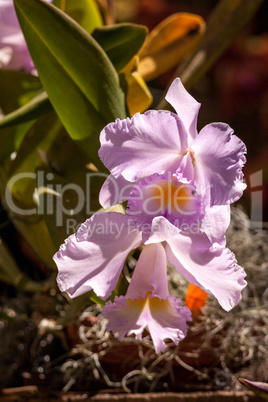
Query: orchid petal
x=165 y=318
x=213 y=268
x=185 y=167
x=185 y=105
x=159 y=230
x=219 y=158
x=94 y=258
x=215 y=223
x=150 y=273
x=114 y=191
x=147 y=303
x=146 y=144
x=168 y=321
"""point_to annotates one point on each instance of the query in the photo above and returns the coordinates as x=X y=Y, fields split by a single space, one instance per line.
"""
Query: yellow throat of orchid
x=170 y=196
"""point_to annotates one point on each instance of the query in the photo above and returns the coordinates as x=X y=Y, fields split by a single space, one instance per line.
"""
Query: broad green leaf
x=169 y=43
x=37 y=106
x=78 y=77
x=21 y=184
x=85 y=12
x=121 y=42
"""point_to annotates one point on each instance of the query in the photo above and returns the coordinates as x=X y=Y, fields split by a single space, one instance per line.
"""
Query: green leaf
x=37 y=107
x=78 y=77
x=21 y=183
x=85 y=12
x=121 y=42
x=51 y=167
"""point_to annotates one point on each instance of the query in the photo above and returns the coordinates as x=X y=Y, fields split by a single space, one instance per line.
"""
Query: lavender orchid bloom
x=162 y=141
x=147 y=303
x=14 y=54
x=94 y=258
x=176 y=199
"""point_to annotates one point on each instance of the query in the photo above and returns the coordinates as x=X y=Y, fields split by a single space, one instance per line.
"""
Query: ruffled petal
x=124 y=316
x=219 y=158
x=213 y=268
x=114 y=191
x=215 y=223
x=168 y=195
x=147 y=303
x=165 y=318
x=94 y=258
x=185 y=105
x=145 y=144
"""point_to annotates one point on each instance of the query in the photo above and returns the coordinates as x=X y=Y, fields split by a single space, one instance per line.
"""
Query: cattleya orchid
x=179 y=186
x=14 y=54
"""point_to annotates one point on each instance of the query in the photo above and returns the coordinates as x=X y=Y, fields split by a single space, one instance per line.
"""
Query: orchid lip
x=168 y=195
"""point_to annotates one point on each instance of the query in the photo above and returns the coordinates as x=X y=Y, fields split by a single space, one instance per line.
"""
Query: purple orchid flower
x=95 y=256
x=147 y=303
x=176 y=199
x=161 y=142
x=14 y=54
